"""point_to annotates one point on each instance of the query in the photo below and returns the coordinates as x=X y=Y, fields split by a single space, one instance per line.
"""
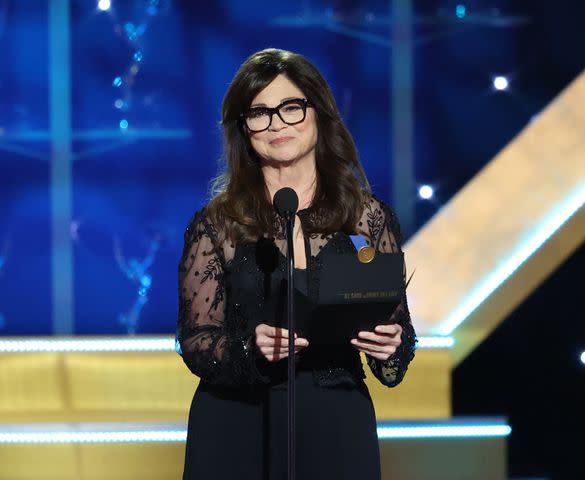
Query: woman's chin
x=282 y=159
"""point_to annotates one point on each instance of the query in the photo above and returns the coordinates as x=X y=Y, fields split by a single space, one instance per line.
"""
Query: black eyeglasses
x=291 y=112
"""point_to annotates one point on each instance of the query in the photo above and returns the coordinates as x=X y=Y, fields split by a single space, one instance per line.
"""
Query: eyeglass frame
x=272 y=110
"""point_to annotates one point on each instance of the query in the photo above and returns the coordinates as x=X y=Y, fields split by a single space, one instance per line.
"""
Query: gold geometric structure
x=46 y=390
x=73 y=386
x=501 y=235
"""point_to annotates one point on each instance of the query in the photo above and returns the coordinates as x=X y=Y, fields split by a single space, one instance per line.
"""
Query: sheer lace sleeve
x=210 y=348
x=381 y=225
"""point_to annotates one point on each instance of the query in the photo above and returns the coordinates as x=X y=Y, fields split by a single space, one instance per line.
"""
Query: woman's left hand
x=381 y=343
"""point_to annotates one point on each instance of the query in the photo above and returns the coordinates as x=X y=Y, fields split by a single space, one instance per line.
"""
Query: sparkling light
x=124 y=124
x=426 y=192
x=460 y=11
x=104 y=5
x=500 y=83
x=117 y=82
x=541 y=234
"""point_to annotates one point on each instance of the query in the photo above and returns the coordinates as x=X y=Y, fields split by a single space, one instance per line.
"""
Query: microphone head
x=286 y=201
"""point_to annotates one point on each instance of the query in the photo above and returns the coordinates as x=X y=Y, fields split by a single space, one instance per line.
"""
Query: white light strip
x=444 y=431
x=128 y=344
x=583 y=358
x=499 y=276
x=435 y=342
x=88 y=345
x=94 y=437
x=385 y=432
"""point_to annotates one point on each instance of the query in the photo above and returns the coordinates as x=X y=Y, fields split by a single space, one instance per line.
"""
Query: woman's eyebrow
x=281 y=101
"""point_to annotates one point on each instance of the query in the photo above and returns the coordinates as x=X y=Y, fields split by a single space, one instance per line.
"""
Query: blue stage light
x=138 y=56
x=123 y=124
x=117 y=82
x=130 y=30
x=426 y=192
x=501 y=83
x=146 y=280
x=153 y=7
x=460 y=11
x=104 y=5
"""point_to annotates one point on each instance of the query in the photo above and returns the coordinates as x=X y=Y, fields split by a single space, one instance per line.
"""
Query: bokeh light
x=501 y=83
x=426 y=192
x=104 y=5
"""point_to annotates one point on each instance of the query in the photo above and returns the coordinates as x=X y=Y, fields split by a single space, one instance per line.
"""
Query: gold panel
x=518 y=287
x=132 y=461
x=425 y=391
x=39 y=462
x=444 y=459
x=429 y=459
x=31 y=383
x=130 y=381
x=157 y=386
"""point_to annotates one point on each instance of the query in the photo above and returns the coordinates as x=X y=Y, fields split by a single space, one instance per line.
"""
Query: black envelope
x=355 y=296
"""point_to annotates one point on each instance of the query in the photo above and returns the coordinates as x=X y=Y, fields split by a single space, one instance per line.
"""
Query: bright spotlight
x=501 y=83
x=104 y=5
x=460 y=11
x=425 y=192
x=583 y=357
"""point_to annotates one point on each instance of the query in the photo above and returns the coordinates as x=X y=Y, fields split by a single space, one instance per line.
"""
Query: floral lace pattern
x=225 y=292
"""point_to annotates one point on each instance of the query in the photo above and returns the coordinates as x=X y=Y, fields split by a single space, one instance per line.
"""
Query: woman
x=281 y=128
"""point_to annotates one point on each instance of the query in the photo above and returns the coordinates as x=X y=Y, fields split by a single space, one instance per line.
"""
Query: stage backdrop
x=142 y=84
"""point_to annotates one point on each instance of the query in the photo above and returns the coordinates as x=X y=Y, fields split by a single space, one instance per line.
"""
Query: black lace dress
x=238 y=421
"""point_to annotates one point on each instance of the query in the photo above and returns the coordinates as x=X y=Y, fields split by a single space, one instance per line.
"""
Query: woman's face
x=282 y=142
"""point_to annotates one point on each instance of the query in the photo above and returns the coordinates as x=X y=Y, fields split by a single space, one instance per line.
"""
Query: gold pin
x=366 y=254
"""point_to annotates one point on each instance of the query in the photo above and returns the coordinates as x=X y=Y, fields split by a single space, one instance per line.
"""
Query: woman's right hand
x=272 y=342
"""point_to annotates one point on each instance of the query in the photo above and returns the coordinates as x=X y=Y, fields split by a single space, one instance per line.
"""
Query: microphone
x=286 y=202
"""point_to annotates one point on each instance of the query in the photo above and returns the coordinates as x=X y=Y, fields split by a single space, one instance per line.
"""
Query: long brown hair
x=240 y=208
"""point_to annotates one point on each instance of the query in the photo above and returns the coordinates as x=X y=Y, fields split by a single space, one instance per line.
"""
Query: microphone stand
x=291 y=345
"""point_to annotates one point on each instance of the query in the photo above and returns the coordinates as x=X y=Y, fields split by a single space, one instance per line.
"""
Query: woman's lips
x=281 y=140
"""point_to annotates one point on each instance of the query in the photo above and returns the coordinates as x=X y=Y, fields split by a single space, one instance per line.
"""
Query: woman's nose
x=276 y=123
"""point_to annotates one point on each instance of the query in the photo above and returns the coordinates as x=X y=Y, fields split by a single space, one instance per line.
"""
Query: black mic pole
x=286 y=203
x=291 y=346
